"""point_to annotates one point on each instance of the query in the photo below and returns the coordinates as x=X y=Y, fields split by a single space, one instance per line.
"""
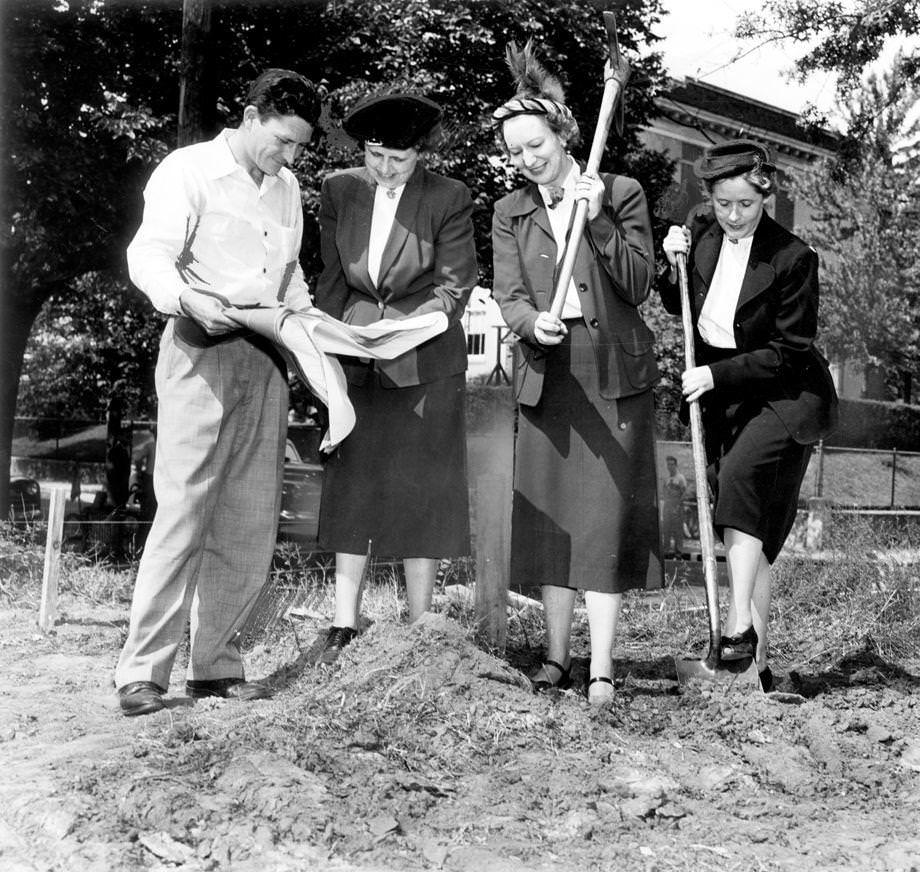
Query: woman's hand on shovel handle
x=548 y=329
x=695 y=382
x=676 y=242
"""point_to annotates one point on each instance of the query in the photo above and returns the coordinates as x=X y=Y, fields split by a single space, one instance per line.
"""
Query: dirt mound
x=420 y=751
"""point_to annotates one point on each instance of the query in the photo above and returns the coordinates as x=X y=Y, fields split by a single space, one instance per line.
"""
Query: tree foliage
x=866 y=224
x=845 y=37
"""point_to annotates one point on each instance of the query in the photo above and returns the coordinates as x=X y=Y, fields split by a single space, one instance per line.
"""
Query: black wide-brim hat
x=732 y=159
x=393 y=120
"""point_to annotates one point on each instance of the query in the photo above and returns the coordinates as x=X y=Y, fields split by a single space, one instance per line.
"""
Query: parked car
x=25 y=501
x=300 y=493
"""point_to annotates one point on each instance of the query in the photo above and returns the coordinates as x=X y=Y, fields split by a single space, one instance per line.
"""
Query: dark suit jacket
x=613 y=273
x=776 y=362
x=429 y=265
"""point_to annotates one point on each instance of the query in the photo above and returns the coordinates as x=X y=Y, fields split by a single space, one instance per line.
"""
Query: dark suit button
x=582 y=287
x=594 y=322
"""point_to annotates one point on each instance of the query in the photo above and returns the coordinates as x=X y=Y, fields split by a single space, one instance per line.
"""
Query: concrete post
x=819 y=514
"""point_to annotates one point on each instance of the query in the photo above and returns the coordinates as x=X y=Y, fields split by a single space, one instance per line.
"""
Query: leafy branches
x=844 y=37
x=866 y=223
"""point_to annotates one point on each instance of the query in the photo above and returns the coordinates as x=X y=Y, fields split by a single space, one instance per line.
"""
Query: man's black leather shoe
x=140 y=698
x=227 y=688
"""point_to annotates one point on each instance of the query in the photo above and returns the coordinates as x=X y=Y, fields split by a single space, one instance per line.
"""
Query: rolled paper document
x=310 y=339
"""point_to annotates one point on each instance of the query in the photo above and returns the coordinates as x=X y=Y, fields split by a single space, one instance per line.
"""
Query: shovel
x=711 y=668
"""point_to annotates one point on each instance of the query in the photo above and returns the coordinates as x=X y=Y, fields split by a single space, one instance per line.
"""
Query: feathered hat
x=539 y=92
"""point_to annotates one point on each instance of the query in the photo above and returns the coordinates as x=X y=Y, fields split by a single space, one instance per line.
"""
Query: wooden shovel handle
x=707 y=538
x=616 y=74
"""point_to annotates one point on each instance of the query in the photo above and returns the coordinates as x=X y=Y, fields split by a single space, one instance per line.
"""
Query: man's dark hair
x=669 y=458
x=284 y=92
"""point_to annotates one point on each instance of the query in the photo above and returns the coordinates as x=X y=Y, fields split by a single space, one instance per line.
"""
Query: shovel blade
x=739 y=674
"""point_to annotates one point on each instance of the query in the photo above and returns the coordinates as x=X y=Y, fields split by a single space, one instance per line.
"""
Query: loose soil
x=419 y=751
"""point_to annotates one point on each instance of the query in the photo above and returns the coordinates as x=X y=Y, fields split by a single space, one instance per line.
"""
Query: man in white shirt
x=222 y=226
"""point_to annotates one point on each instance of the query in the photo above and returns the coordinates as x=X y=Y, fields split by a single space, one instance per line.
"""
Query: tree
x=85 y=114
x=845 y=37
x=91 y=104
x=82 y=344
x=866 y=224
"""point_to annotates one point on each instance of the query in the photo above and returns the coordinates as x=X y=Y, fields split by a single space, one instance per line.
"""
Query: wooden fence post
x=894 y=473
x=490 y=457
x=48 y=611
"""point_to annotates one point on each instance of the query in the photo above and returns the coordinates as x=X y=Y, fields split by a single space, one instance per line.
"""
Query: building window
x=475 y=344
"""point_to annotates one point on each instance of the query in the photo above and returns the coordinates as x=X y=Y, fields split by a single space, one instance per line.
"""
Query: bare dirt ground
x=420 y=751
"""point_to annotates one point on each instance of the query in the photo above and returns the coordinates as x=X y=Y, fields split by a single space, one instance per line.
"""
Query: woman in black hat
x=584 y=513
x=397 y=241
x=765 y=391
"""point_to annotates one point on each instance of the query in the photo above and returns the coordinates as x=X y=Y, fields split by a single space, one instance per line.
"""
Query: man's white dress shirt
x=208 y=226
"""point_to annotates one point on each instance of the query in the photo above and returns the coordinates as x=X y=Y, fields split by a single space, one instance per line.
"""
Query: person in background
x=765 y=391
x=673 y=489
x=585 y=512
x=143 y=456
x=397 y=241
x=222 y=226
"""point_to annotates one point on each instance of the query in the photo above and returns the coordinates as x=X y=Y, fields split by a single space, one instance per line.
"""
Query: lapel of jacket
x=706 y=253
x=528 y=202
x=540 y=244
x=759 y=274
x=405 y=218
x=358 y=215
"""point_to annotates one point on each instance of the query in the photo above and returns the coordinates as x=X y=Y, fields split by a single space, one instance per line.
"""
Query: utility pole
x=197 y=85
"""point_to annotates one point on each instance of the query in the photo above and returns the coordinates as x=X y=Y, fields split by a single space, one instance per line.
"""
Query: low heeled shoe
x=140 y=698
x=739 y=646
x=542 y=685
x=227 y=688
x=600 y=689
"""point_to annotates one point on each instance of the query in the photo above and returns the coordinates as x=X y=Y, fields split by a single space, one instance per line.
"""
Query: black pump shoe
x=739 y=646
x=336 y=639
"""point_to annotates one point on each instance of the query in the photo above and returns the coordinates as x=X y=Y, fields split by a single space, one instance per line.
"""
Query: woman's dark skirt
x=756 y=475
x=585 y=512
x=399 y=478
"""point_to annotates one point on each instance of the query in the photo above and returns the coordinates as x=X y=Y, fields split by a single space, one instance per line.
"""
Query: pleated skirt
x=585 y=509
x=399 y=478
